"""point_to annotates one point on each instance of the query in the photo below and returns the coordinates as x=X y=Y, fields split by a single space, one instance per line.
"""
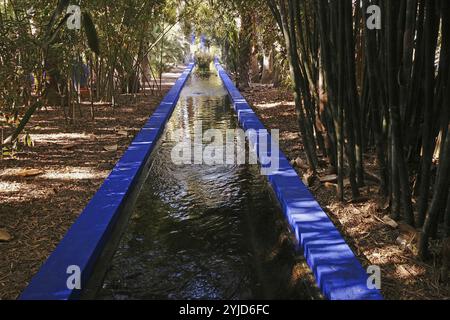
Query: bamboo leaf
x=28 y=141
x=91 y=33
x=26 y=173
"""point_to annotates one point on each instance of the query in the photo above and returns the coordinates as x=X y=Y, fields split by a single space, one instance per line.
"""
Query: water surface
x=205 y=232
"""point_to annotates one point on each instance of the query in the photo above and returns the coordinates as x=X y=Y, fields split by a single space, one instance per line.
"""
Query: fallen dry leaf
x=298 y=162
x=329 y=178
x=403 y=271
x=5 y=236
x=331 y=186
x=407 y=243
x=390 y=222
x=111 y=148
x=29 y=172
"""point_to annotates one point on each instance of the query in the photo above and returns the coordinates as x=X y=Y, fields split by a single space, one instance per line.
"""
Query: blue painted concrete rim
x=90 y=233
x=337 y=271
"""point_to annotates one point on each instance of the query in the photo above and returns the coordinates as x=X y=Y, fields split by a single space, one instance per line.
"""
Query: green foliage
x=39 y=55
x=91 y=33
x=203 y=61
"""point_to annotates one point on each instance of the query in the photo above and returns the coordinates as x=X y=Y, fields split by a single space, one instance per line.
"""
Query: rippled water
x=204 y=232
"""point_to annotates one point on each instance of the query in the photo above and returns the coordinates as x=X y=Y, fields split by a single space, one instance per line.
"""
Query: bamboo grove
x=122 y=45
x=360 y=89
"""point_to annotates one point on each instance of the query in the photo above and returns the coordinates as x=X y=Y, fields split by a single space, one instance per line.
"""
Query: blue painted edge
x=337 y=271
x=89 y=234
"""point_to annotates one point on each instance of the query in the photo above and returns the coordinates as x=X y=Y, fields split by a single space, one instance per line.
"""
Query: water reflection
x=204 y=232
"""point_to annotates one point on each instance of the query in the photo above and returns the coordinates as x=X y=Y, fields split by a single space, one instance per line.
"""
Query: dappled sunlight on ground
x=408 y=272
x=75 y=174
x=58 y=137
x=9 y=187
x=274 y=104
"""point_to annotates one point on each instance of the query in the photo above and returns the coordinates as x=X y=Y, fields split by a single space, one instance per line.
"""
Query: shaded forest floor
x=43 y=189
x=363 y=224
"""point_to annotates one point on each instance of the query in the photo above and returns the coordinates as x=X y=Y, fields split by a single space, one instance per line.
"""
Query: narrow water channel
x=205 y=232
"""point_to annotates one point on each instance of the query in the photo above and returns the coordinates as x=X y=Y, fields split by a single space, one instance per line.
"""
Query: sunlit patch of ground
x=43 y=189
x=58 y=137
x=75 y=174
x=9 y=187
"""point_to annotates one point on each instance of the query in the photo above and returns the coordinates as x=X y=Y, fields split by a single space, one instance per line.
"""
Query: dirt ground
x=43 y=189
x=373 y=240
